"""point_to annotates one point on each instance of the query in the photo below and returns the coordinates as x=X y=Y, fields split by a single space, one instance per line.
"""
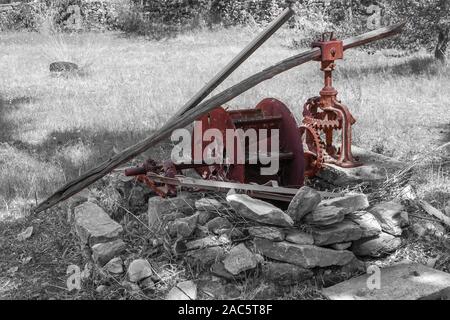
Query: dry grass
x=54 y=128
x=58 y=127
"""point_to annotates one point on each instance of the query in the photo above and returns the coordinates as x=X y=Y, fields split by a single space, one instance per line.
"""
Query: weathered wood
x=374 y=35
x=428 y=208
x=191 y=115
x=237 y=61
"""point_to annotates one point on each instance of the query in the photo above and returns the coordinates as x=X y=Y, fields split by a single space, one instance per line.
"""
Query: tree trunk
x=441 y=47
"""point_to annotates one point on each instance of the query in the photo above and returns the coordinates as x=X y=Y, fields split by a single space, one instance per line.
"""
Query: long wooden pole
x=236 y=62
x=191 y=115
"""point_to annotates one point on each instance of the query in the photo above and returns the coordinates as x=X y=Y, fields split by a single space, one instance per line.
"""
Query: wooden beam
x=236 y=62
x=192 y=114
x=428 y=208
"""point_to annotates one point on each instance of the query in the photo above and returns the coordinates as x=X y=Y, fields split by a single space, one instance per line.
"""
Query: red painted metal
x=221 y=120
x=292 y=171
x=302 y=150
x=324 y=114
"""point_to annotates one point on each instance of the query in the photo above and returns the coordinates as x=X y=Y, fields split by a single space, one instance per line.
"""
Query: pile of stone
x=235 y=236
x=243 y=234
x=100 y=236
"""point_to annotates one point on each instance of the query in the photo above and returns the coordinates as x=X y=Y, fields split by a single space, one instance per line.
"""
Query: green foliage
x=428 y=20
x=19 y=18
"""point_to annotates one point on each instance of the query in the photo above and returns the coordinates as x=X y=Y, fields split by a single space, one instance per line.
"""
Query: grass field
x=54 y=128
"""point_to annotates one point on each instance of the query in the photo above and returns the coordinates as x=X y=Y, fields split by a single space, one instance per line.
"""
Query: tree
x=428 y=24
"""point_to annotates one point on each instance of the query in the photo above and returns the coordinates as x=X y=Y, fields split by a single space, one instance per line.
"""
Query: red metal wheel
x=220 y=120
x=291 y=171
x=312 y=149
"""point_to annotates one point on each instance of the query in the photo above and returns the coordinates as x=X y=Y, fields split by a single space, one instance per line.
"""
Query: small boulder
x=204 y=258
x=305 y=201
x=138 y=196
x=218 y=270
x=376 y=246
x=205 y=216
x=259 y=211
x=285 y=274
x=325 y=216
x=208 y=204
x=186 y=290
x=391 y=216
x=271 y=233
x=206 y=242
x=104 y=252
x=299 y=237
x=240 y=259
x=24 y=235
x=350 y=202
x=403 y=281
x=63 y=66
x=232 y=233
x=114 y=266
x=306 y=256
x=158 y=207
x=185 y=226
x=217 y=224
x=139 y=269
x=93 y=225
x=366 y=221
x=344 y=231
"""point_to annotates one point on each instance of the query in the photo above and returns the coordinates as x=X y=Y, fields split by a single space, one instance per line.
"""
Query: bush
x=89 y=15
x=23 y=16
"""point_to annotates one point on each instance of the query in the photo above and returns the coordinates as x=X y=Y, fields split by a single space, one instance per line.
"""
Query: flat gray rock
x=104 y=252
x=138 y=270
x=204 y=258
x=93 y=225
x=306 y=256
x=240 y=259
x=185 y=226
x=376 y=246
x=344 y=231
x=351 y=202
x=114 y=266
x=406 y=281
x=271 y=233
x=186 y=290
x=208 y=204
x=305 y=201
x=159 y=207
x=285 y=274
x=299 y=237
x=218 y=223
x=392 y=217
x=369 y=225
x=374 y=171
x=258 y=210
x=325 y=216
x=207 y=242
